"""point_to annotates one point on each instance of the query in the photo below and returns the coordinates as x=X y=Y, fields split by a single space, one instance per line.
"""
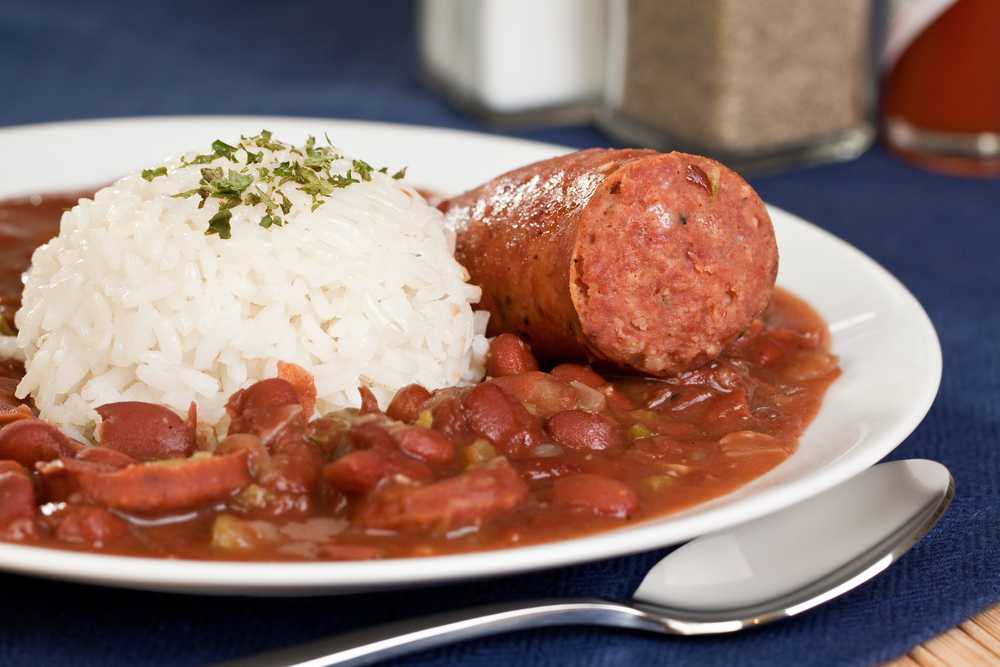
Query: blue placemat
x=939 y=235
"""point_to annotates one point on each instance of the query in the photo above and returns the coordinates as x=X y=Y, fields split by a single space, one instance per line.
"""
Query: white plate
x=888 y=350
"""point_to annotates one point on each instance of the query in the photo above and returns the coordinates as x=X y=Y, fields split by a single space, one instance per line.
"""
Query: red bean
x=144 y=431
x=110 y=457
x=17 y=501
x=597 y=493
x=427 y=445
x=287 y=476
x=370 y=435
x=475 y=496
x=167 y=487
x=493 y=414
x=92 y=526
x=540 y=393
x=583 y=431
x=450 y=418
x=405 y=405
x=509 y=355
x=369 y=404
x=357 y=472
x=381 y=458
x=264 y=408
x=293 y=468
x=583 y=374
x=329 y=434
x=29 y=441
x=264 y=395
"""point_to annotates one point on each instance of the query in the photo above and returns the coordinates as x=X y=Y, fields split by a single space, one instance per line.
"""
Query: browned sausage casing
x=646 y=260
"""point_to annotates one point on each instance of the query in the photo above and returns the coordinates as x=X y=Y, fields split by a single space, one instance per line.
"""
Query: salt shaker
x=516 y=61
x=759 y=85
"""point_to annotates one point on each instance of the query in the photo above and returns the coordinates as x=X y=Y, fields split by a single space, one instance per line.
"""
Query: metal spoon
x=762 y=571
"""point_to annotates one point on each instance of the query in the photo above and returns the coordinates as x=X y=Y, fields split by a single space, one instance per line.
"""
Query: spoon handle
x=394 y=639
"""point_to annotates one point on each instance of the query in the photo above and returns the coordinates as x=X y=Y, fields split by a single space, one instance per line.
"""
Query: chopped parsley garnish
x=150 y=174
x=222 y=149
x=219 y=224
x=364 y=169
x=310 y=169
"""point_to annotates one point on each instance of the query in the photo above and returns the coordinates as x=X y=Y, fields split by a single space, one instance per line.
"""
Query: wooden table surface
x=973 y=643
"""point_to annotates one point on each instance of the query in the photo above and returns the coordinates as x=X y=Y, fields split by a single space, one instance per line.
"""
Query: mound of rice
x=134 y=301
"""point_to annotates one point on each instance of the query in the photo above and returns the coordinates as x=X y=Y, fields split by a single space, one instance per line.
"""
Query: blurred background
x=766 y=85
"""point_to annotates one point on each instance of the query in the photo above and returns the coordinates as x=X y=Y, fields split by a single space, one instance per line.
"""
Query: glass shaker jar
x=759 y=85
x=941 y=92
x=515 y=62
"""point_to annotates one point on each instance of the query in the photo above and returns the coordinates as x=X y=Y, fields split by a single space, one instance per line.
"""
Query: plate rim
x=270 y=577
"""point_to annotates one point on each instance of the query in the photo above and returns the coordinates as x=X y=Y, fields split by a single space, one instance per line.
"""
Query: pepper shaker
x=758 y=85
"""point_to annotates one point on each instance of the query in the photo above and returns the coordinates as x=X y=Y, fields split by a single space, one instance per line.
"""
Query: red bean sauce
x=532 y=454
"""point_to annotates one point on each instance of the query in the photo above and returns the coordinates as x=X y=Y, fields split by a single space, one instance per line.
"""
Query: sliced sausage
x=470 y=498
x=29 y=441
x=169 y=486
x=105 y=456
x=644 y=260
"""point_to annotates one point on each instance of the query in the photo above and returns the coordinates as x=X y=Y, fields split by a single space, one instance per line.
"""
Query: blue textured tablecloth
x=939 y=235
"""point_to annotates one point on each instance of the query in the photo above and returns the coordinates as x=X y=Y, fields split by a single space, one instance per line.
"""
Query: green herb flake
x=339 y=181
x=219 y=224
x=187 y=193
x=312 y=172
x=268 y=220
x=222 y=149
x=233 y=184
x=364 y=169
x=400 y=174
x=253 y=158
x=286 y=205
x=313 y=184
x=150 y=174
x=286 y=171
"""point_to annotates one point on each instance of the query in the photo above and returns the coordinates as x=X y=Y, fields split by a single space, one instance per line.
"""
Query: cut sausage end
x=666 y=269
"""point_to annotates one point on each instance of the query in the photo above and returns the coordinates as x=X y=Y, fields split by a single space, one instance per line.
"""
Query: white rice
x=133 y=301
